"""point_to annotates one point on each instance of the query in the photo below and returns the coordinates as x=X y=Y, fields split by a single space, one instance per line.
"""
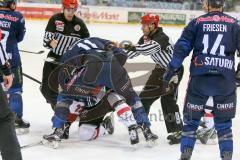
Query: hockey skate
x=227 y=155
x=21 y=126
x=108 y=124
x=133 y=134
x=150 y=138
x=66 y=131
x=187 y=154
x=175 y=137
x=53 y=139
x=204 y=134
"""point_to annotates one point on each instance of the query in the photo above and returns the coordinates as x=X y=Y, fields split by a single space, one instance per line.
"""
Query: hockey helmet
x=216 y=3
x=6 y=3
x=70 y=4
x=150 y=19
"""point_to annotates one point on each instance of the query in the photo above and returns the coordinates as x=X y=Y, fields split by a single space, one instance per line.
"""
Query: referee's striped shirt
x=64 y=42
x=152 y=48
x=65 y=32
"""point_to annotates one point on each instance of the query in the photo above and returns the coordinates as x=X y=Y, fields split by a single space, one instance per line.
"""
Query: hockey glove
x=238 y=75
x=129 y=47
x=170 y=76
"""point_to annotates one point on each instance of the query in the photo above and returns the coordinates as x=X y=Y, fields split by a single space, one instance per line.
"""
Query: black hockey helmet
x=216 y=3
x=6 y=3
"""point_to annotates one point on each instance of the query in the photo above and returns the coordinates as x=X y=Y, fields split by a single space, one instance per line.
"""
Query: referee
x=155 y=43
x=62 y=31
x=9 y=146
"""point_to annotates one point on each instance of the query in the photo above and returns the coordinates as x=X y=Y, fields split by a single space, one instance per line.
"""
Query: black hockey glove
x=129 y=47
x=170 y=76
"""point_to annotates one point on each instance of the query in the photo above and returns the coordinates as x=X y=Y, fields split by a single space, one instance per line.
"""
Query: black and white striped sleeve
x=159 y=55
x=149 y=48
x=48 y=36
x=49 y=33
x=5 y=66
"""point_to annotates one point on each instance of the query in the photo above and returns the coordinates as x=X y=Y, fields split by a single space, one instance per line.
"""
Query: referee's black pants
x=49 y=87
x=153 y=90
x=9 y=146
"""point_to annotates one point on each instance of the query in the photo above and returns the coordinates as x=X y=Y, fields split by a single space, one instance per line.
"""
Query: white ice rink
x=115 y=147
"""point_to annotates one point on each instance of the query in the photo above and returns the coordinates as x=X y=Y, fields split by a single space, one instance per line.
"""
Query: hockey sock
x=189 y=134
x=123 y=110
x=16 y=103
x=60 y=117
x=225 y=137
x=125 y=114
x=141 y=116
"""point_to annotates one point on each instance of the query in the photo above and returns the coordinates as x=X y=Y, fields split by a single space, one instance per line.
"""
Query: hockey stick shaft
x=33 y=79
x=40 y=52
x=31 y=145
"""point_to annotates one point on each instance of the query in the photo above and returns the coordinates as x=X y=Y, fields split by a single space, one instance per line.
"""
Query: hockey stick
x=31 y=145
x=40 y=52
x=33 y=79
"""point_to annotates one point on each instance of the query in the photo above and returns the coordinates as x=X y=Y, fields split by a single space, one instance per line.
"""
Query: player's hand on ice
x=53 y=43
x=7 y=81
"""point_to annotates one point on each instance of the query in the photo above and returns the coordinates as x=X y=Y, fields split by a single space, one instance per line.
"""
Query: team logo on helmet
x=77 y=27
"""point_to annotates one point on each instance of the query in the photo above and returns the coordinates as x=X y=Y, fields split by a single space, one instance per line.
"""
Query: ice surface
x=117 y=146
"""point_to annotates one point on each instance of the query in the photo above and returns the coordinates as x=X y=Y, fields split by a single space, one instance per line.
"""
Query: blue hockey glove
x=170 y=76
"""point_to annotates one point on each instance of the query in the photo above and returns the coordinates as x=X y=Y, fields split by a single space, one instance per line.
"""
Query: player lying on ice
x=92 y=64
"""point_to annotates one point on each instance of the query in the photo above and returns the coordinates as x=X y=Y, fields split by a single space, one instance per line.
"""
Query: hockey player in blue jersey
x=214 y=38
x=95 y=63
x=13 y=30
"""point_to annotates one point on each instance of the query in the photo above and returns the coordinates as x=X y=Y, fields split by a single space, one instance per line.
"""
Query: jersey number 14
x=215 y=46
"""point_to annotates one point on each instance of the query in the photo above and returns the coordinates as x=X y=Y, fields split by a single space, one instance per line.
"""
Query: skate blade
x=134 y=147
x=51 y=144
x=151 y=143
x=22 y=131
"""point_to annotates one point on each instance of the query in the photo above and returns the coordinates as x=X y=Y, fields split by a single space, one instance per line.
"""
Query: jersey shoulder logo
x=59 y=25
x=77 y=27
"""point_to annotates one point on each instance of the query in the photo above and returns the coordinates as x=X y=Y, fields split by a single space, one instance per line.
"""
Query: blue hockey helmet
x=6 y=3
x=216 y=3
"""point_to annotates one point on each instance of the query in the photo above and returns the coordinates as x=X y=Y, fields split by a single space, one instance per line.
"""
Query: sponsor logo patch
x=59 y=26
x=77 y=27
